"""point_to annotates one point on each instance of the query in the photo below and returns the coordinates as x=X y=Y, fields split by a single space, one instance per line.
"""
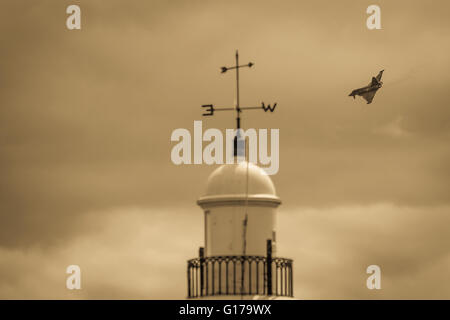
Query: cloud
x=86 y=119
x=394 y=129
x=136 y=254
x=332 y=247
x=141 y=254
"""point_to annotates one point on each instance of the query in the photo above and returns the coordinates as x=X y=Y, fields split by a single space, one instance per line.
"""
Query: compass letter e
x=209 y=110
x=373 y=21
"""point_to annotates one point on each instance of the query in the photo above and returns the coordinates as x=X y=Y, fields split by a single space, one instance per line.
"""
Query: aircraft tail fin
x=380 y=74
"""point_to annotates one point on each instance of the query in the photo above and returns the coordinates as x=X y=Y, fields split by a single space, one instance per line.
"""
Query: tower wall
x=224 y=230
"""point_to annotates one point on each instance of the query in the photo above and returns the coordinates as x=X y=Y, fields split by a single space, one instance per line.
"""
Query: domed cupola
x=237 y=184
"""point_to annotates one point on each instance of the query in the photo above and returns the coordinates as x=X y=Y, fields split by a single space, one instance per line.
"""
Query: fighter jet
x=368 y=92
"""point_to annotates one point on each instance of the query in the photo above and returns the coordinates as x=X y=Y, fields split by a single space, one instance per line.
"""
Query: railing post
x=291 y=280
x=269 y=267
x=189 y=279
x=201 y=253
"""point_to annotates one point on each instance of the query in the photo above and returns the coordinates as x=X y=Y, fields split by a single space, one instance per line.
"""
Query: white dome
x=231 y=179
x=228 y=185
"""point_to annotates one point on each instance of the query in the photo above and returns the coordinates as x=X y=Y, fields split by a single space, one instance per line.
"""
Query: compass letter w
x=268 y=107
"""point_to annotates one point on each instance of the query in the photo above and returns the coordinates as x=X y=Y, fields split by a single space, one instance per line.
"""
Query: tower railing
x=239 y=275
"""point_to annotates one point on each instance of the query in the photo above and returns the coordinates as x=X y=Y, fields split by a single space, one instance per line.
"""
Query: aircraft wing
x=380 y=74
x=368 y=96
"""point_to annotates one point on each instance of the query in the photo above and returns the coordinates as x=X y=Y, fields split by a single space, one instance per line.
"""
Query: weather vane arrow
x=210 y=109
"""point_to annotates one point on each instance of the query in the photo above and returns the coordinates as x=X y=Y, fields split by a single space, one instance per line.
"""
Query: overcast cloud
x=86 y=118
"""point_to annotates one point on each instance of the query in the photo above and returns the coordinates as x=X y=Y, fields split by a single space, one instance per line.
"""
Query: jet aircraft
x=368 y=92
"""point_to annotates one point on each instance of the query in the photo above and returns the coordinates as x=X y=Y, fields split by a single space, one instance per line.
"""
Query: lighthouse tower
x=239 y=258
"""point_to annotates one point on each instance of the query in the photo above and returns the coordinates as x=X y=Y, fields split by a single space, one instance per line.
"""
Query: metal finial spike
x=224 y=69
x=250 y=64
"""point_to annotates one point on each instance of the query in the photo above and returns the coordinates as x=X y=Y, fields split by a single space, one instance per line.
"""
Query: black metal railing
x=239 y=275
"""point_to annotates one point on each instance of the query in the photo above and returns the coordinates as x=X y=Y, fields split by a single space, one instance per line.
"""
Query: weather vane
x=210 y=108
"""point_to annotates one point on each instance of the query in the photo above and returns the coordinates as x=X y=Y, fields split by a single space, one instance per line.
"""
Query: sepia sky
x=86 y=118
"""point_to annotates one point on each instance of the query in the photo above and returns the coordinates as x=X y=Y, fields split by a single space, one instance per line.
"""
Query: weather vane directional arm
x=225 y=69
x=210 y=109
